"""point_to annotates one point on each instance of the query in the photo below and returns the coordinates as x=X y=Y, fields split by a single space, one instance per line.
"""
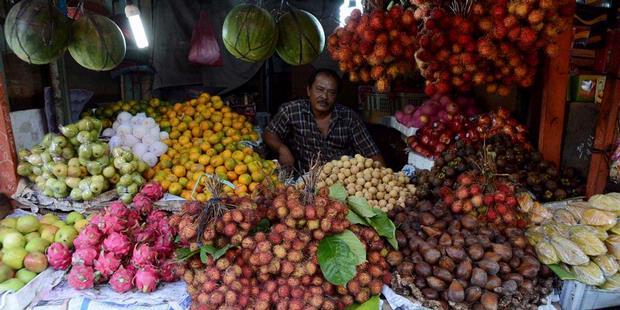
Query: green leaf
x=338 y=255
x=370 y=304
x=215 y=253
x=177 y=239
x=263 y=225
x=356 y=219
x=338 y=192
x=185 y=253
x=384 y=227
x=360 y=206
x=562 y=273
x=355 y=245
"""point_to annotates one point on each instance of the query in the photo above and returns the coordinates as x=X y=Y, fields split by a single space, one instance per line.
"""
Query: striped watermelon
x=301 y=37
x=36 y=31
x=98 y=44
x=250 y=33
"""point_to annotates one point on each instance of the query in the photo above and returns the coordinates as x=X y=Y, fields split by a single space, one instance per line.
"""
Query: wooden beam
x=553 y=106
x=606 y=125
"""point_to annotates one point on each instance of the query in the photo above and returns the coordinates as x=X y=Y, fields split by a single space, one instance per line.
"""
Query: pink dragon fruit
x=153 y=191
x=164 y=245
x=112 y=223
x=122 y=280
x=143 y=204
x=146 y=279
x=106 y=264
x=156 y=216
x=90 y=236
x=143 y=255
x=133 y=219
x=84 y=256
x=167 y=271
x=144 y=234
x=81 y=277
x=117 y=209
x=97 y=220
x=117 y=243
x=58 y=256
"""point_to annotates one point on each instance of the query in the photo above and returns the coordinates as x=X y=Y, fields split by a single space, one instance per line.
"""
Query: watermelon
x=301 y=37
x=250 y=33
x=98 y=44
x=36 y=31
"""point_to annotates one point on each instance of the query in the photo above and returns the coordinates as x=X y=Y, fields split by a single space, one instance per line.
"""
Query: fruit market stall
x=172 y=201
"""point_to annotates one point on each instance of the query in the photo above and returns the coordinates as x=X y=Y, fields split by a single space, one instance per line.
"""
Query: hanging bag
x=204 y=48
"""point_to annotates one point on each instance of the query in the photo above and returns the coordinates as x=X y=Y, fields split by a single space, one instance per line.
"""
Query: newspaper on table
x=167 y=296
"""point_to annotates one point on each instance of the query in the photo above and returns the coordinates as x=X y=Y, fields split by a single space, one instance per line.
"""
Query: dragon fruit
x=106 y=264
x=164 y=245
x=143 y=204
x=81 y=277
x=58 y=256
x=133 y=219
x=156 y=216
x=97 y=220
x=167 y=271
x=90 y=236
x=122 y=280
x=146 y=279
x=117 y=243
x=85 y=256
x=143 y=255
x=144 y=234
x=117 y=209
x=153 y=191
x=112 y=223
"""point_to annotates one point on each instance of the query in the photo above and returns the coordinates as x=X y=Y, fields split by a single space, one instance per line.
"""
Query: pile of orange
x=204 y=138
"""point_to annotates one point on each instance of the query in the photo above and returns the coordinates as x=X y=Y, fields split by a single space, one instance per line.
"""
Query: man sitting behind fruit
x=318 y=125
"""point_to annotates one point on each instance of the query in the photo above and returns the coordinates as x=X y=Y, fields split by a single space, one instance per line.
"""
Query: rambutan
x=535 y=17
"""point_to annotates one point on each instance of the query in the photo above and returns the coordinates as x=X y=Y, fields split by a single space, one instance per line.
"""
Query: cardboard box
x=587 y=88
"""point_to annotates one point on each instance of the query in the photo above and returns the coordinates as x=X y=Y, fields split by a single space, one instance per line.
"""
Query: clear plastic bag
x=612 y=283
x=613 y=245
x=597 y=217
x=546 y=253
x=607 y=263
x=204 y=50
x=589 y=274
x=568 y=252
x=588 y=242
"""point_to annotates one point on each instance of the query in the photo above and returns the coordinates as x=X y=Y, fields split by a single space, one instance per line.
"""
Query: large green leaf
x=216 y=253
x=562 y=273
x=370 y=304
x=338 y=192
x=338 y=255
x=356 y=219
x=384 y=227
x=185 y=253
x=360 y=206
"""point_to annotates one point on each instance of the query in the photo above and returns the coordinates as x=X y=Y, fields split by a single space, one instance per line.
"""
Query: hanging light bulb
x=135 y=22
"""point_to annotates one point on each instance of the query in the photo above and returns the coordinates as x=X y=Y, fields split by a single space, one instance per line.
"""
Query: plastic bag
x=535 y=234
x=599 y=233
x=588 y=242
x=577 y=209
x=564 y=216
x=204 y=50
x=612 y=283
x=607 y=263
x=597 y=217
x=589 y=274
x=608 y=202
x=613 y=245
x=615 y=229
x=568 y=252
x=556 y=229
x=546 y=253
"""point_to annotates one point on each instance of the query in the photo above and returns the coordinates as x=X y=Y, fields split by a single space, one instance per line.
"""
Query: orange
x=193 y=156
x=175 y=188
x=247 y=150
x=221 y=170
x=164 y=184
x=218 y=127
x=241 y=169
x=238 y=155
x=252 y=186
x=226 y=154
x=241 y=189
x=218 y=147
x=258 y=176
x=190 y=185
x=209 y=169
x=217 y=161
x=230 y=164
x=187 y=195
x=179 y=171
x=183 y=181
x=204 y=159
x=231 y=175
x=245 y=179
x=201 y=197
x=205 y=146
x=197 y=167
x=196 y=132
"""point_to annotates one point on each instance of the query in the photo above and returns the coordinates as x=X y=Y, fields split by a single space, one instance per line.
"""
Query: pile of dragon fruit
x=125 y=247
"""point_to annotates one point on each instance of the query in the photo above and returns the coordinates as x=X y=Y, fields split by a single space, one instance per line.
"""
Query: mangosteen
x=548 y=195
x=536 y=156
x=568 y=172
x=552 y=171
x=551 y=185
x=450 y=172
x=440 y=161
x=559 y=194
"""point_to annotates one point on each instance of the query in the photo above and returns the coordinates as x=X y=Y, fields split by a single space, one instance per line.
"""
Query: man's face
x=323 y=93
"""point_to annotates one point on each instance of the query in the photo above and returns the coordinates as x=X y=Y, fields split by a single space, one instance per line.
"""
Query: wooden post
x=606 y=125
x=553 y=107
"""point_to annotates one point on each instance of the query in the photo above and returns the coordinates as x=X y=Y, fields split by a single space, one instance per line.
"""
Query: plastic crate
x=377 y=108
x=401 y=99
x=578 y=296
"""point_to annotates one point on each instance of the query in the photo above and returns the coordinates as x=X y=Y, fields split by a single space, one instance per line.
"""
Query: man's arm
x=285 y=157
x=277 y=128
x=363 y=143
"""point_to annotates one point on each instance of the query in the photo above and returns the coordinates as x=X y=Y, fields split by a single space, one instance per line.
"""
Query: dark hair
x=325 y=71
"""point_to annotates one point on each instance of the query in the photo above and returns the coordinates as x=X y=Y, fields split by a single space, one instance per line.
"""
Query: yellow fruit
x=231 y=175
x=226 y=154
x=183 y=181
x=241 y=169
x=217 y=161
x=258 y=176
x=245 y=179
x=204 y=159
x=175 y=188
x=179 y=171
x=252 y=186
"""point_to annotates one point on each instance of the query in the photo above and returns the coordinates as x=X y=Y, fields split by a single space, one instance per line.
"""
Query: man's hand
x=285 y=157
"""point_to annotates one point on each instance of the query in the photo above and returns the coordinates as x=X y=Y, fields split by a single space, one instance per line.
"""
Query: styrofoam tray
x=404 y=130
x=419 y=161
x=578 y=296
